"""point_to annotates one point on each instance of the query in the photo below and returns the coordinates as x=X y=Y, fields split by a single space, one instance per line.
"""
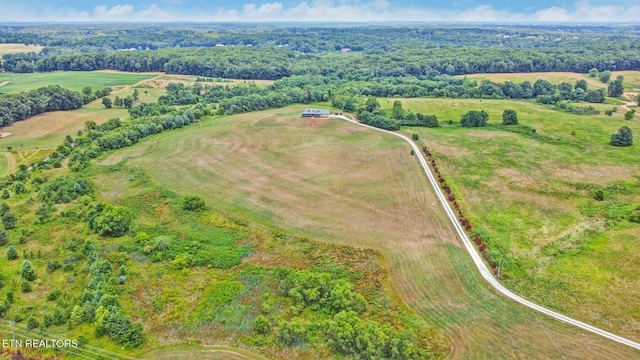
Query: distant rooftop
x=310 y=111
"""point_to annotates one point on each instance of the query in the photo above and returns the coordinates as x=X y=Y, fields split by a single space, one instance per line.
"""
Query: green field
x=339 y=183
x=532 y=197
x=73 y=80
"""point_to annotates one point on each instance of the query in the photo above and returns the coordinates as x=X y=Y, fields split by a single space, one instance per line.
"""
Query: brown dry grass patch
x=19 y=48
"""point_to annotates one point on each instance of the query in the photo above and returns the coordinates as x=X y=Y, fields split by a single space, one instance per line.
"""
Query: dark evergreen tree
x=624 y=137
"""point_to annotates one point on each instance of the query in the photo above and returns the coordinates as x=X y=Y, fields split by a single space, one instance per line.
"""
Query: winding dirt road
x=477 y=259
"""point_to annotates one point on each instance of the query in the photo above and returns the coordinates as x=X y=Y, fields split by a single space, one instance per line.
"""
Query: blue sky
x=321 y=10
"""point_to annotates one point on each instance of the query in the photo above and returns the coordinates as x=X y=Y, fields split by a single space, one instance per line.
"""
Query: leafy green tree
x=509 y=117
x=262 y=325
x=474 y=118
x=12 y=253
x=629 y=114
x=117 y=101
x=371 y=105
x=582 y=84
x=5 y=193
x=77 y=315
x=624 y=137
x=107 y=102
x=19 y=187
x=397 y=112
x=108 y=220
x=593 y=73
x=616 y=88
x=27 y=271
x=193 y=203
x=605 y=76
x=127 y=102
x=25 y=287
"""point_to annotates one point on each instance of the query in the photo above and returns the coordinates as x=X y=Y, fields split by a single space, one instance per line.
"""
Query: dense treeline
x=347 y=95
x=272 y=62
x=368 y=38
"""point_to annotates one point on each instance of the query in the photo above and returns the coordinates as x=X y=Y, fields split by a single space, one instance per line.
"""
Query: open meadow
x=531 y=195
x=19 y=48
x=328 y=180
x=72 y=80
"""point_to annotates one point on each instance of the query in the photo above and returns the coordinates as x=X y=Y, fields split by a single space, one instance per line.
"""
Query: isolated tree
x=615 y=87
x=605 y=76
x=107 y=102
x=5 y=193
x=593 y=72
x=509 y=117
x=25 y=286
x=474 y=118
x=12 y=253
x=27 y=271
x=629 y=114
x=135 y=95
x=624 y=137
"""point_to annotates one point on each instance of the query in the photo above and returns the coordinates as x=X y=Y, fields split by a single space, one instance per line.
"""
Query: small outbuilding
x=315 y=112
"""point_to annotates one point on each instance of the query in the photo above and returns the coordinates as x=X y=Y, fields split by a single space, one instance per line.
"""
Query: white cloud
x=328 y=10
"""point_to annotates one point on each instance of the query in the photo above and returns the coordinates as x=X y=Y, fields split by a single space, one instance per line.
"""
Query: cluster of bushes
x=64 y=189
x=338 y=320
x=321 y=292
x=99 y=303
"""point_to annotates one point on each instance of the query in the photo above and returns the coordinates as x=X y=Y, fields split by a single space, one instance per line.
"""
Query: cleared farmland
x=73 y=80
x=19 y=48
x=333 y=181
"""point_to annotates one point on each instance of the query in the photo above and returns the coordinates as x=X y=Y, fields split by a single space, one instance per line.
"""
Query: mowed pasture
x=330 y=180
x=73 y=80
x=553 y=77
x=533 y=198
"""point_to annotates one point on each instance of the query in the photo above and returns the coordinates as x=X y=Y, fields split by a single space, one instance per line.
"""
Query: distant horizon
x=331 y=11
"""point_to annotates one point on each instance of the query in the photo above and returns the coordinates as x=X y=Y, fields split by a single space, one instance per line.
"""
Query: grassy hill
x=333 y=181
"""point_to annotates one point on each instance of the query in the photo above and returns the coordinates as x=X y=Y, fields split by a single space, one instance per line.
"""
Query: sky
x=523 y=11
